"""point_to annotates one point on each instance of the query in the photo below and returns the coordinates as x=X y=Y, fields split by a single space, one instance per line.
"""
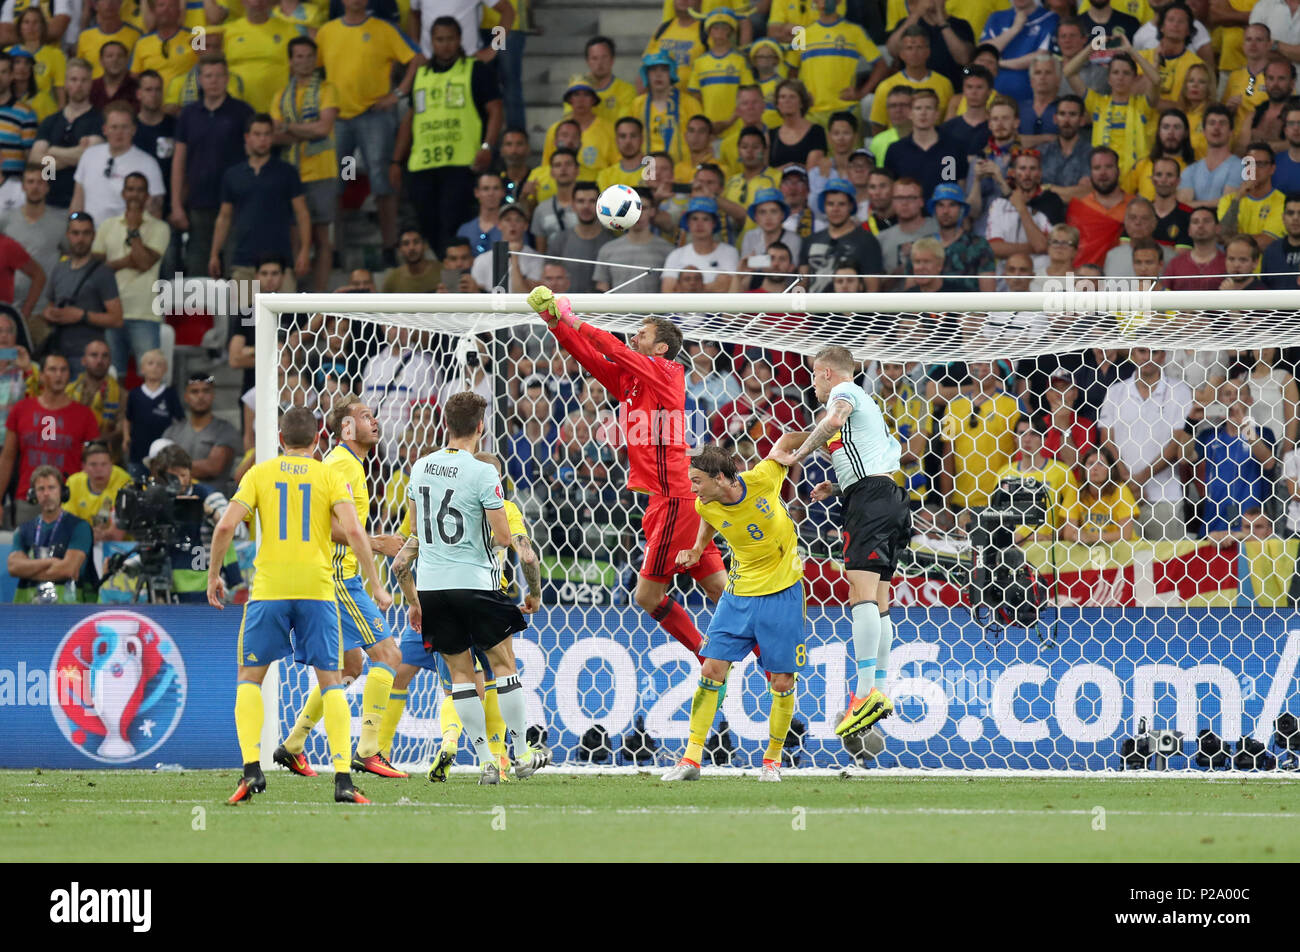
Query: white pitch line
x=671 y=810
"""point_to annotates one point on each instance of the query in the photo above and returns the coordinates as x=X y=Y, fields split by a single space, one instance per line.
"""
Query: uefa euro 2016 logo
x=119 y=686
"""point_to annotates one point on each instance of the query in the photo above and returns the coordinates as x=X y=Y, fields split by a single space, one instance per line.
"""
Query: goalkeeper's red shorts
x=670 y=525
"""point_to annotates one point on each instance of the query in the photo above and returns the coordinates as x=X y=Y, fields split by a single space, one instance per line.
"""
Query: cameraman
x=193 y=528
x=178 y=536
x=51 y=555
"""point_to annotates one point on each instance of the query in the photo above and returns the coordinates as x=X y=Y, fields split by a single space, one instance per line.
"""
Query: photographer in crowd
x=51 y=554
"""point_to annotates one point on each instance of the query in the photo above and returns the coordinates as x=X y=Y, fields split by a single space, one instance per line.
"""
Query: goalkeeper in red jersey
x=651 y=385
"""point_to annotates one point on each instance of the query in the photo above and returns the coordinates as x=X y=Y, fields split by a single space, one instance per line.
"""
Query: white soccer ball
x=619 y=208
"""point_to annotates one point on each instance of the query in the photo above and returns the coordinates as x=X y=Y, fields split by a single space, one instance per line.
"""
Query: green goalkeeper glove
x=542 y=300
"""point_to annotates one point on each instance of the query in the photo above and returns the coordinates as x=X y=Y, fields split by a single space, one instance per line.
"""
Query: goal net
x=1103 y=566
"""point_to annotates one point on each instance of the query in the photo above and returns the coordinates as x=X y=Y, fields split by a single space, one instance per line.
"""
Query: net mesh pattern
x=1120 y=569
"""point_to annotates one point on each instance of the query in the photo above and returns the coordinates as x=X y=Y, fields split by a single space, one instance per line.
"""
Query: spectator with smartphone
x=456 y=264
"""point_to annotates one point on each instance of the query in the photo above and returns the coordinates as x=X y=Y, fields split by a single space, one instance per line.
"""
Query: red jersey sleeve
x=623 y=356
x=655 y=372
x=593 y=360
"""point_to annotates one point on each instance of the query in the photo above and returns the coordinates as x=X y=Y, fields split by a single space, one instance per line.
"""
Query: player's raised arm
x=558 y=316
x=787 y=444
x=222 y=536
x=687 y=558
x=360 y=542
x=836 y=416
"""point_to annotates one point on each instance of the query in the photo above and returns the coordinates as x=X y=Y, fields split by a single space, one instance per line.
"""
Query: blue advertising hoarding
x=81 y=686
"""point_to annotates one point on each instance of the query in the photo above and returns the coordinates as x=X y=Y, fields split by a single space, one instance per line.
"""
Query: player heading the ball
x=876 y=520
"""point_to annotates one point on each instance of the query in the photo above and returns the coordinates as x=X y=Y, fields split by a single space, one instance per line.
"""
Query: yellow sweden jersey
x=353 y=472
x=682 y=43
x=1105 y=513
x=320 y=165
x=91 y=41
x=983 y=440
x=1173 y=72
x=615 y=101
x=1250 y=87
x=357 y=60
x=258 y=51
x=764 y=545
x=85 y=504
x=293 y=497
x=597 y=150
x=797 y=13
x=172 y=58
x=517 y=527
x=935 y=81
x=830 y=59
x=1257 y=216
x=715 y=80
x=665 y=125
x=614 y=175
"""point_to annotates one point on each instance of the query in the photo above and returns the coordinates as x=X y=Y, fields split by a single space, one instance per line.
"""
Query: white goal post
x=1131 y=639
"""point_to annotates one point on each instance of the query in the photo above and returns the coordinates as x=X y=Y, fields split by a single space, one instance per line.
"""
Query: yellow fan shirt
x=715 y=80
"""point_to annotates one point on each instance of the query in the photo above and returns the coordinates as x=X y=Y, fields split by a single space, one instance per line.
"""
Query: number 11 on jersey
x=305 y=489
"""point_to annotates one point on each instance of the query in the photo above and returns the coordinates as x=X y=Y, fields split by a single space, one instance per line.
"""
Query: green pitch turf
x=122 y=815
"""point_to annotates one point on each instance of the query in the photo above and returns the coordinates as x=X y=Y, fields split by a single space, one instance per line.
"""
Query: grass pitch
x=86 y=816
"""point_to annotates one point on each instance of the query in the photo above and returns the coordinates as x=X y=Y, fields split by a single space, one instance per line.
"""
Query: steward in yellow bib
x=447 y=136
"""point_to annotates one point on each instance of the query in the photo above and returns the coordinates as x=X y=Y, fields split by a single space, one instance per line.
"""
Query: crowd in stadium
x=956 y=145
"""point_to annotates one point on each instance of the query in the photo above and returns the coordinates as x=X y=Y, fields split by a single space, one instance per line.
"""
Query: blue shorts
x=775 y=623
x=363 y=623
x=413 y=653
x=317 y=638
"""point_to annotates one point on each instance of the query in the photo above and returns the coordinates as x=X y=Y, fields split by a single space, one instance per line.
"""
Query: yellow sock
x=374 y=702
x=308 y=718
x=338 y=728
x=779 y=723
x=704 y=708
x=249 y=714
x=450 y=722
x=392 y=715
x=496 y=724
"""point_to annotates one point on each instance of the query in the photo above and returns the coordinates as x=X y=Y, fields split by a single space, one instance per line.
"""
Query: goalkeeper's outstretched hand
x=551 y=308
x=542 y=300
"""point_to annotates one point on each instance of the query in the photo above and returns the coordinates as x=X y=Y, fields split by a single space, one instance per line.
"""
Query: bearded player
x=876 y=520
x=651 y=385
x=352 y=424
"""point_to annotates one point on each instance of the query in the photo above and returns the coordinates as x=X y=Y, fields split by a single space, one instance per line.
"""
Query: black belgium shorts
x=457 y=619
x=877 y=519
